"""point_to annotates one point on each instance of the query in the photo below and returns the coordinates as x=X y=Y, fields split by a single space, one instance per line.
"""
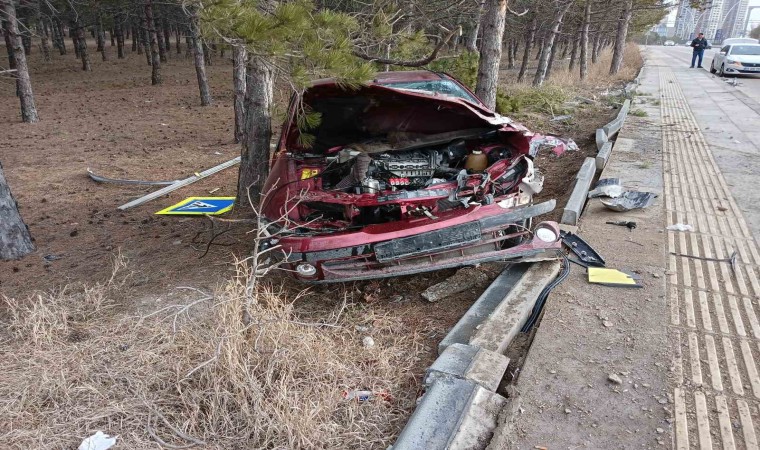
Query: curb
x=603 y=156
x=460 y=407
x=463 y=331
x=577 y=200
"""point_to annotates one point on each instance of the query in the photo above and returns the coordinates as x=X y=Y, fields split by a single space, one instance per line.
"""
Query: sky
x=754 y=18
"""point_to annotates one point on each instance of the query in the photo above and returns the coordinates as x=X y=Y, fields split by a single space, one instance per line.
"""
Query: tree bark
x=254 y=161
x=239 y=58
x=158 y=29
x=543 y=63
x=207 y=53
x=82 y=46
x=102 y=39
x=596 y=48
x=135 y=44
x=200 y=64
x=59 y=35
x=574 y=52
x=43 y=32
x=167 y=33
x=15 y=240
x=472 y=38
x=178 y=43
x=621 y=36
x=118 y=28
x=528 y=48
x=552 y=57
x=155 y=77
x=74 y=39
x=145 y=38
x=584 y=40
x=490 y=54
x=510 y=55
x=23 y=82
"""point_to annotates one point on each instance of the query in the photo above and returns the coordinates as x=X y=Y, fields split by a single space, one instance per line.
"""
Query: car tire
x=721 y=72
x=712 y=67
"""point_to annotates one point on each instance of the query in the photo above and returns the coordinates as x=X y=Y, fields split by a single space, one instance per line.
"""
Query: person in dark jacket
x=699 y=45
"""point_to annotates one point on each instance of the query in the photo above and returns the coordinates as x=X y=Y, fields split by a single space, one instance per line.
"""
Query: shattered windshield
x=746 y=50
x=445 y=87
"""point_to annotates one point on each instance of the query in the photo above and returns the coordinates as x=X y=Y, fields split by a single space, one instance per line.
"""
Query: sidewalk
x=685 y=346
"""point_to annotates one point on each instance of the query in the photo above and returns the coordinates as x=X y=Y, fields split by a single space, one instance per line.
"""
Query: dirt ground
x=113 y=121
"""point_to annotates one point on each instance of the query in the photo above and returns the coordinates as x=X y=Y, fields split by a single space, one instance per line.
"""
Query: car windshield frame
x=456 y=90
x=741 y=49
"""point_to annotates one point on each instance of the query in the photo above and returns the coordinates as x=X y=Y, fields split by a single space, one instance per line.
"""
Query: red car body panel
x=383 y=189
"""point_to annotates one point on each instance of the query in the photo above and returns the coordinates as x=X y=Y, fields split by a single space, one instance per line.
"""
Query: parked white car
x=734 y=59
x=669 y=43
x=732 y=41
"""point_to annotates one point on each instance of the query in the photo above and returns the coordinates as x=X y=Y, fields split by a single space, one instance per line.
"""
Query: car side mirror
x=723 y=52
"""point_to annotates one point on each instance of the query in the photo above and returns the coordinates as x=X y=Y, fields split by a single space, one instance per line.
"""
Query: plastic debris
x=629 y=200
x=680 y=227
x=607 y=187
x=98 y=441
x=363 y=396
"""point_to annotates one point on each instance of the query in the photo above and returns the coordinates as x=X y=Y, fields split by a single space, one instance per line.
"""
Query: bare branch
x=416 y=63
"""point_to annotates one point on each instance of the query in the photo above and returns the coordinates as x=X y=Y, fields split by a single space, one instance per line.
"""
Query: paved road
x=729 y=118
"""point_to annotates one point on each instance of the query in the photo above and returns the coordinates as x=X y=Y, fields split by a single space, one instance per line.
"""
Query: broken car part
x=623 y=223
x=541 y=301
x=613 y=277
x=181 y=183
x=100 y=179
x=629 y=200
x=607 y=187
x=582 y=249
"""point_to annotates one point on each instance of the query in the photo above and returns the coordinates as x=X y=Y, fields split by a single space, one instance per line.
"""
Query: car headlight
x=733 y=61
x=545 y=233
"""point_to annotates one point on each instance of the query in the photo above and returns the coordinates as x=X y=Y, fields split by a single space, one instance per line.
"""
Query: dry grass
x=599 y=73
x=222 y=371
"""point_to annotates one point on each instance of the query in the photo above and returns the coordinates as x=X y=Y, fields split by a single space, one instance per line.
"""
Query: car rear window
x=745 y=50
x=445 y=87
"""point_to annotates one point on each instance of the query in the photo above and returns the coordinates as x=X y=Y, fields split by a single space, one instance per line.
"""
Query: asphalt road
x=729 y=117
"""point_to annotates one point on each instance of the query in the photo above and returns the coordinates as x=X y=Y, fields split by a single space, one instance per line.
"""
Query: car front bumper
x=448 y=245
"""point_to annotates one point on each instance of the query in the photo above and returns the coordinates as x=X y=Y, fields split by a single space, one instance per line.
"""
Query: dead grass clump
x=599 y=73
x=226 y=370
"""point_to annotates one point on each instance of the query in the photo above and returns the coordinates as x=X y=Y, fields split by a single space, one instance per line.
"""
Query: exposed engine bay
x=368 y=183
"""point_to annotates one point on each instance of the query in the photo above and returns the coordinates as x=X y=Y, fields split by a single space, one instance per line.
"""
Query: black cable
x=541 y=301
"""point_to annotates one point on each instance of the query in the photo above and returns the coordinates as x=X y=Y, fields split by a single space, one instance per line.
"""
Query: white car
x=732 y=41
x=669 y=43
x=734 y=59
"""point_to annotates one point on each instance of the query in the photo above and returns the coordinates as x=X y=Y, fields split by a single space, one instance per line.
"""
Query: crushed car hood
x=394 y=115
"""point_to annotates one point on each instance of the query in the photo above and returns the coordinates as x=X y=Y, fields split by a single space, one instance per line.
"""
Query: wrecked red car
x=406 y=174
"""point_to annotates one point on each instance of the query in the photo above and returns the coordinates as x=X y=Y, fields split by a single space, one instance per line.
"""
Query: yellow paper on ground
x=609 y=276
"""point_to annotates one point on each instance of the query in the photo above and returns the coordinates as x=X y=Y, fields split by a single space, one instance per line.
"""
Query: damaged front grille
x=431 y=241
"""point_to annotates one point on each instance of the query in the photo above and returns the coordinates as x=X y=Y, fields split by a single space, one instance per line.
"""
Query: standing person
x=699 y=45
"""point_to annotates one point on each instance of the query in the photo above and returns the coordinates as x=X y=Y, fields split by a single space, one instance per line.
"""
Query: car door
x=720 y=57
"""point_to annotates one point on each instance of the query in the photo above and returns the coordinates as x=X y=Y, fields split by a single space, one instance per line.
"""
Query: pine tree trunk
x=82 y=46
x=543 y=63
x=254 y=161
x=178 y=43
x=59 y=35
x=528 y=48
x=74 y=40
x=160 y=38
x=112 y=35
x=167 y=33
x=43 y=32
x=145 y=39
x=239 y=58
x=188 y=45
x=15 y=240
x=26 y=41
x=565 y=47
x=472 y=38
x=494 y=18
x=152 y=35
x=596 y=48
x=574 y=52
x=584 y=40
x=136 y=47
x=23 y=83
x=207 y=53
x=620 y=37
x=510 y=55
x=541 y=46
x=200 y=66
x=118 y=28
x=102 y=39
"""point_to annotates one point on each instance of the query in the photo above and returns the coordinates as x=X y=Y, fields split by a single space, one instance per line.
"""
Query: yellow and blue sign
x=200 y=206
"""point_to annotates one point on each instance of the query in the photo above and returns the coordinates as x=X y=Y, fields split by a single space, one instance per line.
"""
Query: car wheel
x=712 y=67
x=721 y=72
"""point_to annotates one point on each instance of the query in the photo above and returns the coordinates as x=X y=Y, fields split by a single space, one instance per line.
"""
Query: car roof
x=394 y=77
